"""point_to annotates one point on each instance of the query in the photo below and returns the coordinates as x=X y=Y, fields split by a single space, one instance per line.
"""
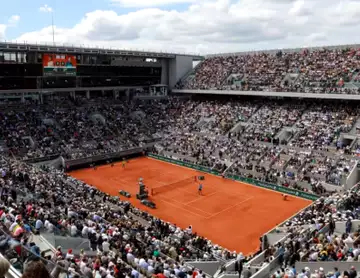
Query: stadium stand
x=78 y=231
x=311 y=244
x=309 y=146
x=327 y=70
x=148 y=245
x=279 y=142
x=96 y=127
x=143 y=243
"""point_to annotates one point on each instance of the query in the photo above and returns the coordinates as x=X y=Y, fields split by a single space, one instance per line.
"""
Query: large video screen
x=59 y=64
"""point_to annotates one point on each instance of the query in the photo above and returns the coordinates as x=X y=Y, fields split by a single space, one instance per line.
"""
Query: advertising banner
x=266 y=185
x=185 y=164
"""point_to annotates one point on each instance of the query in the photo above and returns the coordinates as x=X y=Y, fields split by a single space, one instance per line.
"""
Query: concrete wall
x=172 y=73
x=226 y=275
x=165 y=71
x=230 y=267
x=266 y=271
x=340 y=226
x=209 y=267
x=178 y=67
x=269 y=94
x=183 y=65
x=353 y=177
x=56 y=163
x=275 y=237
x=332 y=187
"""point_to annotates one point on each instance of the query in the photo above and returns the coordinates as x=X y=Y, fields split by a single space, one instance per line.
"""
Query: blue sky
x=66 y=13
x=191 y=26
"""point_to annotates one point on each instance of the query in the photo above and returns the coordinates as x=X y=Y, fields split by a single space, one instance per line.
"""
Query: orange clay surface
x=231 y=214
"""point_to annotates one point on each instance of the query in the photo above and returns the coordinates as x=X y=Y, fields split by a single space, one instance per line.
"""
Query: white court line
x=173 y=189
x=201 y=198
x=189 y=211
x=120 y=180
x=215 y=214
x=184 y=190
x=187 y=204
x=173 y=200
x=192 y=208
x=160 y=199
x=263 y=188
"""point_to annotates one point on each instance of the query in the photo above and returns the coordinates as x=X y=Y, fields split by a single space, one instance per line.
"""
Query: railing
x=19 y=256
x=100 y=157
x=42 y=159
x=12 y=272
x=302 y=94
x=262 y=184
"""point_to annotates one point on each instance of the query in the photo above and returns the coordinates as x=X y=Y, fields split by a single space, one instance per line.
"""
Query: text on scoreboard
x=59 y=64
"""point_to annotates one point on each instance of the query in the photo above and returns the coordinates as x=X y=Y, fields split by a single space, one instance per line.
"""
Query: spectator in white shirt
x=85 y=231
x=130 y=257
x=73 y=230
x=69 y=255
x=106 y=245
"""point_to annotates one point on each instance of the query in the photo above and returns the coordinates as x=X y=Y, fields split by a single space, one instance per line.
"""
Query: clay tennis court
x=231 y=214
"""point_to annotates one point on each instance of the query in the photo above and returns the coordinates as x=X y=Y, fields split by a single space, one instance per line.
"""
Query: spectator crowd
x=290 y=143
x=297 y=144
x=315 y=237
x=294 y=144
x=243 y=137
x=326 y=70
x=125 y=242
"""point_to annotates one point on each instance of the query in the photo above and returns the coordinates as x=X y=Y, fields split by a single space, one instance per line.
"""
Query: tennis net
x=171 y=186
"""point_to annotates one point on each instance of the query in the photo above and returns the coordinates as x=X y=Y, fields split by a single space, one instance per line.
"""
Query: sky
x=182 y=26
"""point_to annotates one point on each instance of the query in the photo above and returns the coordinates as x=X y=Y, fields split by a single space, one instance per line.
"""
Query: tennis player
x=200 y=189
x=123 y=163
x=285 y=196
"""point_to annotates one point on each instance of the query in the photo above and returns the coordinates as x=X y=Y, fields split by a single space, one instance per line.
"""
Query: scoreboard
x=59 y=65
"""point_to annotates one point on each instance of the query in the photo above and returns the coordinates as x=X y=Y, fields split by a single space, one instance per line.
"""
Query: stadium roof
x=273 y=51
x=62 y=48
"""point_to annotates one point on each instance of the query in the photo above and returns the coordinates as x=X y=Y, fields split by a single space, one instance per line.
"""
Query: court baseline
x=231 y=207
x=214 y=219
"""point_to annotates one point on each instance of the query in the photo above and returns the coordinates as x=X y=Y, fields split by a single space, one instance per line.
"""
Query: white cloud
x=316 y=37
x=13 y=20
x=2 y=31
x=300 y=8
x=45 y=9
x=149 y=3
x=209 y=26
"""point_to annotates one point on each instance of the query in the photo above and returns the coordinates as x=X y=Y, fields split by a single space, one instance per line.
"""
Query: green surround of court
x=274 y=187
